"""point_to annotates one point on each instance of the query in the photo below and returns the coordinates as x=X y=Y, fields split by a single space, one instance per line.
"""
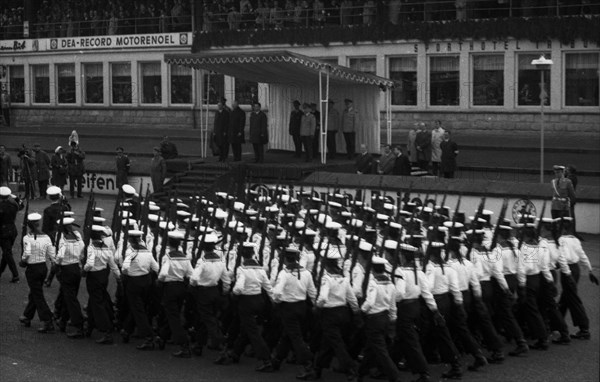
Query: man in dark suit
x=259 y=133
x=401 y=163
x=449 y=153
x=237 y=123
x=364 y=162
x=294 y=128
x=221 y=130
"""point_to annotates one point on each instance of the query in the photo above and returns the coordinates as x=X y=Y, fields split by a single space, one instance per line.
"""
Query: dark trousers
x=35 y=274
x=331 y=146
x=335 y=324
x=407 y=338
x=435 y=168
x=208 y=301
x=72 y=181
x=376 y=351
x=98 y=305
x=536 y=324
x=137 y=291
x=549 y=307
x=559 y=213
x=503 y=309
x=43 y=185
x=350 y=139
x=481 y=318
x=307 y=142
x=457 y=322
x=6 y=114
x=70 y=278
x=297 y=145
x=236 y=149
x=441 y=334
x=29 y=189
x=223 y=151
x=172 y=302
x=570 y=300
x=293 y=314
x=250 y=307
x=259 y=152
x=6 y=244
x=316 y=142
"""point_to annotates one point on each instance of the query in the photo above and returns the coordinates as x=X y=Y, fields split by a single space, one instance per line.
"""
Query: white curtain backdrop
x=366 y=104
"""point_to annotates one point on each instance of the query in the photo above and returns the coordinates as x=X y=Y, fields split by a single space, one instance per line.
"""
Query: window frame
x=140 y=89
x=111 y=86
x=472 y=81
x=33 y=89
x=388 y=72
x=563 y=95
x=545 y=53
x=170 y=86
x=8 y=83
x=428 y=82
x=57 y=85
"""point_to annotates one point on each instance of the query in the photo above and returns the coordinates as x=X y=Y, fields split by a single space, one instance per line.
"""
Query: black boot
x=521 y=348
x=226 y=358
x=496 y=357
x=147 y=345
x=197 y=350
x=480 y=361
x=424 y=377
x=183 y=352
x=540 y=345
x=265 y=367
x=47 y=328
x=564 y=339
x=309 y=374
x=160 y=343
x=25 y=321
x=106 y=339
x=582 y=334
x=454 y=373
x=124 y=336
x=76 y=334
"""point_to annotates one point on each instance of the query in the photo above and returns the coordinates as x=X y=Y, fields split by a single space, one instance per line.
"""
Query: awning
x=283 y=68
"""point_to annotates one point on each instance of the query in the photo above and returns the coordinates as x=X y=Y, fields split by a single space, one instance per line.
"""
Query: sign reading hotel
x=121 y=41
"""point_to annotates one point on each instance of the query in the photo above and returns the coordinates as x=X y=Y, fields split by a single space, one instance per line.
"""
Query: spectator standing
x=259 y=133
x=349 y=127
x=307 y=128
x=221 y=130
x=59 y=167
x=237 y=123
x=449 y=150
x=394 y=11
x=158 y=171
x=76 y=169
x=42 y=165
x=8 y=234
x=563 y=194
x=5 y=166
x=401 y=163
x=294 y=128
x=28 y=171
x=437 y=136
x=123 y=165
x=333 y=125
x=317 y=137
x=364 y=162
x=410 y=146
x=386 y=162
x=168 y=149
x=423 y=145
x=5 y=105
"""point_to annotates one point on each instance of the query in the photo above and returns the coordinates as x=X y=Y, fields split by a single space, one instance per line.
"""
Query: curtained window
x=216 y=88
x=66 y=83
x=443 y=81
x=121 y=83
x=93 y=83
x=404 y=71
x=246 y=92
x=581 y=79
x=181 y=85
x=41 y=83
x=530 y=80
x=151 y=82
x=365 y=65
x=17 y=83
x=488 y=80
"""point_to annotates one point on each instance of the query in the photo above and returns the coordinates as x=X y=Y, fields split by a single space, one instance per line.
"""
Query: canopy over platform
x=292 y=76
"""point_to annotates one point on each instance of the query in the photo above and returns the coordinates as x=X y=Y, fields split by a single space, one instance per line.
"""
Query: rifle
x=368 y=268
x=87 y=226
x=498 y=223
x=538 y=229
x=454 y=218
x=477 y=215
x=320 y=275
x=116 y=219
x=524 y=222
x=24 y=228
x=61 y=226
x=144 y=215
x=165 y=236
x=125 y=240
x=231 y=243
x=444 y=202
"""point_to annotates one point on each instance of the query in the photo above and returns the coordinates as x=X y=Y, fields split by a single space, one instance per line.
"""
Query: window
x=246 y=92
x=365 y=65
x=404 y=71
x=330 y=60
x=181 y=84
x=443 y=81
x=66 y=83
x=581 y=79
x=121 y=83
x=151 y=82
x=17 y=83
x=93 y=83
x=41 y=83
x=488 y=80
x=216 y=88
x=529 y=80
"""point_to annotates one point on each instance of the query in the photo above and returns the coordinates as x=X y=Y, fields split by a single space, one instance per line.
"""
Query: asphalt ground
x=26 y=355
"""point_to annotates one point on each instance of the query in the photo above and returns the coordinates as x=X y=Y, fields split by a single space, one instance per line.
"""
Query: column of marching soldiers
x=377 y=285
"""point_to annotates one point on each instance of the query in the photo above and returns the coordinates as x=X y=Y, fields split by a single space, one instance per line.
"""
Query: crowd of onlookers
x=66 y=18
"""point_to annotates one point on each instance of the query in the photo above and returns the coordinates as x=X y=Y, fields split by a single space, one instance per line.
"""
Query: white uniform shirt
x=250 y=280
x=99 y=258
x=37 y=250
x=571 y=248
x=534 y=259
x=139 y=262
x=176 y=268
x=336 y=291
x=381 y=296
x=443 y=282
x=70 y=251
x=467 y=274
x=556 y=257
x=289 y=288
x=209 y=272
x=415 y=287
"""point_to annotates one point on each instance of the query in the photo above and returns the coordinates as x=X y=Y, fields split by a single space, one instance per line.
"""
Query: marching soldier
x=137 y=266
x=51 y=216
x=8 y=232
x=68 y=259
x=37 y=249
